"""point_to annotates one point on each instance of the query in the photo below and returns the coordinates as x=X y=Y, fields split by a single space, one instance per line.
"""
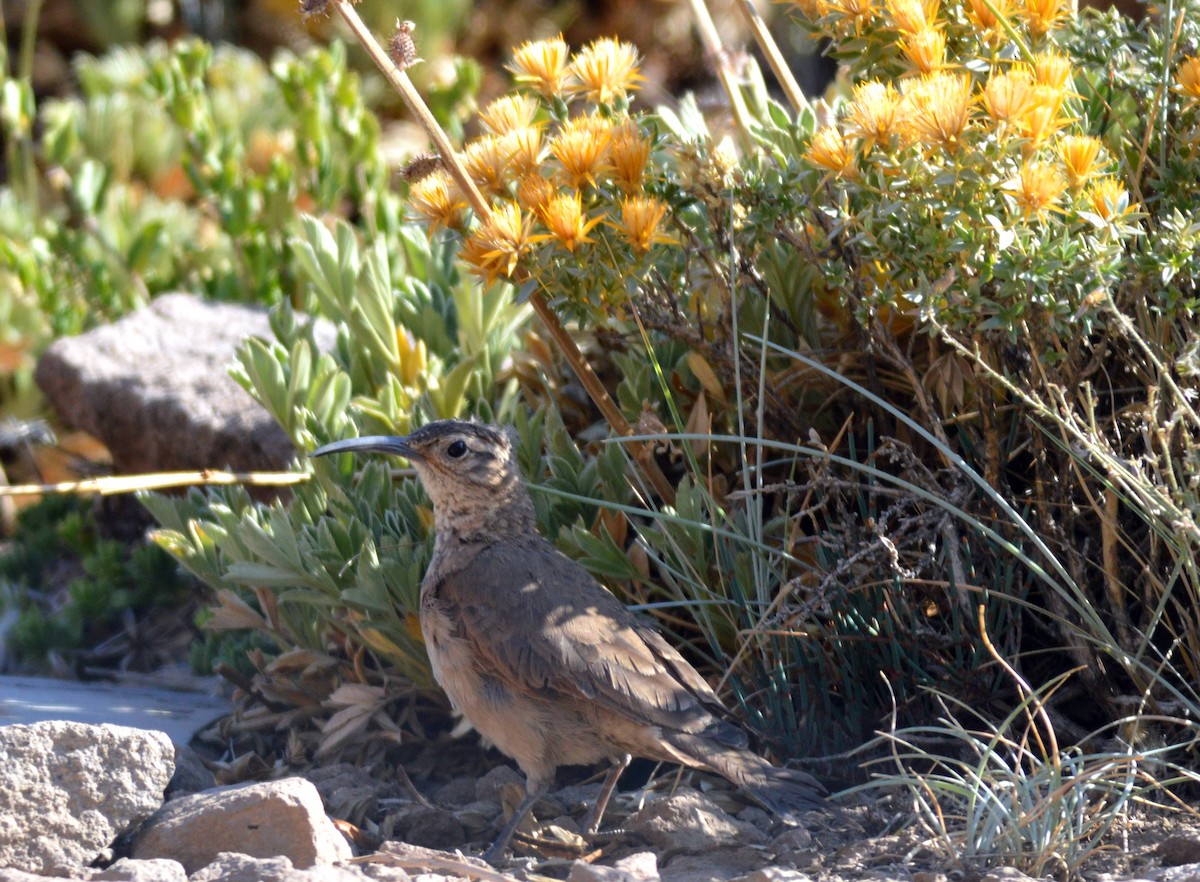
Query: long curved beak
x=379 y=443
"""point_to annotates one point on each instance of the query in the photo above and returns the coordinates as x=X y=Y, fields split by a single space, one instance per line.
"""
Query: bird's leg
x=592 y=824
x=532 y=795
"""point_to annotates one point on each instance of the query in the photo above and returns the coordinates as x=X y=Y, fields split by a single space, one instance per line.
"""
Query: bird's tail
x=783 y=792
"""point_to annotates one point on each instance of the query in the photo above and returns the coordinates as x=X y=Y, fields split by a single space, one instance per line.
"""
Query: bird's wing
x=542 y=624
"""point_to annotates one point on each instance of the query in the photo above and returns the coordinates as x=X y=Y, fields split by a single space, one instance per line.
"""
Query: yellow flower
x=1052 y=69
x=874 y=114
x=522 y=150
x=534 y=191
x=604 y=70
x=1080 y=155
x=640 y=217
x=1042 y=115
x=486 y=160
x=564 y=217
x=854 y=16
x=495 y=248
x=1042 y=15
x=542 y=65
x=1007 y=95
x=938 y=108
x=833 y=151
x=437 y=199
x=913 y=16
x=925 y=49
x=581 y=147
x=1036 y=189
x=1187 y=79
x=1109 y=200
x=509 y=113
x=413 y=357
x=629 y=155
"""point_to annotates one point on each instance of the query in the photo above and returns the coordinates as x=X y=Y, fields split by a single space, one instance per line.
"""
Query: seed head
x=401 y=49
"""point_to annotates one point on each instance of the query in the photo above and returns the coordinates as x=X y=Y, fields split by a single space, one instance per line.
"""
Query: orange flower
x=1052 y=69
x=924 y=49
x=831 y=150
x=581 y=147
x=875 y=114
x=1036 y=189
x=1007 y=95
x=984 y=19
x=1187 y=79
x=854 y=16
x=912 y=16
x=640 y=217
x=564 y=217
x=938 y=108
x=1080 y=155
x=495 y=248
x=486 y=160
x=438 y=200
x=534 y=191
x=542 y=65
x=1109 y=200
x=522 y=150
x=1043 y=15
x=629 y=156
x=1042 y=116
x=604 y=70
x=509 y=113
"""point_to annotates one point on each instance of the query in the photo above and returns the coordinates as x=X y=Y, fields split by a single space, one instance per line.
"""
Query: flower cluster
x=562 y=163
x=967 y=116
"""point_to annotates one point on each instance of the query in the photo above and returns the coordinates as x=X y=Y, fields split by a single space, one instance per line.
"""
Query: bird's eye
x=456 y=449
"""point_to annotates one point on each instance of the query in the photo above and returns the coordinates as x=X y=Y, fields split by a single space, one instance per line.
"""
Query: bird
x=543 y=660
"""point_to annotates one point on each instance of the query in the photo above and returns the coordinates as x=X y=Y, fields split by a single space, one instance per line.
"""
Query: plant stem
x=570 y=349
x=716 y=51
x=770 y=49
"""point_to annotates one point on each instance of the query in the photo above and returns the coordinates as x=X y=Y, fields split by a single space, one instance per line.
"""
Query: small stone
x=713 y=866
x=1004 y=874
x=640 y=867
x=67 y=790
x=928 y=876
x=775 y=874
x=790 y=842
x=128 y=870
x=491 y=786
x=431 y=828
x=689 y=821
x=1177 y=850
x=191 y=775
x=457 y=791
x=232 y=867
x=265 y=820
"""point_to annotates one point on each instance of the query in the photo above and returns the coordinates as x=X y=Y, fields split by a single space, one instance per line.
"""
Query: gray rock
x=232 y=867
x=154 y=387
x=191 y=775
x=1004 y=874
x=265 y=820
x=431 y=828
x=491 y=786
x=67 y=790
x=689 y=821
x=640 y=867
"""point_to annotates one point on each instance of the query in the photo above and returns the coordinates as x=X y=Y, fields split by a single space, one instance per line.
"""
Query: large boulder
x=155 y=388
x=67 y=790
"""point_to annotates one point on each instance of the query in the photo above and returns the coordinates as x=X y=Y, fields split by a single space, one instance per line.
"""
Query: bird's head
x=468 y=469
